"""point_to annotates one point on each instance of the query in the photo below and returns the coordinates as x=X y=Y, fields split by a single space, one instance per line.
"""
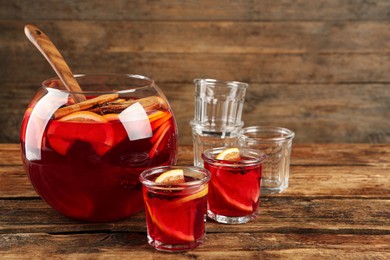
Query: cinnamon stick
x=109 y=103
x=148 y=103
x=85 y=105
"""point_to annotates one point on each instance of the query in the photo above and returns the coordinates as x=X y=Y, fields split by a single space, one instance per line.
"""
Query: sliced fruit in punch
x=169 y=230
x=160 y=143
x=172 y=176
x=83 y=116
x=230 y=154
x=234 y=201
x=86 y=126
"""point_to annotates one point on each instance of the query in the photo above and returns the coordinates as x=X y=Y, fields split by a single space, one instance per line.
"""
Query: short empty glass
x=276 y=143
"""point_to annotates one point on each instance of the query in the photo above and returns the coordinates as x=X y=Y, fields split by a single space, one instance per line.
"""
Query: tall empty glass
x=218 y=111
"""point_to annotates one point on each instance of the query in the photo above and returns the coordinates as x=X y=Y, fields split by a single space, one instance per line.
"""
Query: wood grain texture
x=196 y=10
x=337 y=206
x=314 y=214
x=259 y=245
x=322 y=74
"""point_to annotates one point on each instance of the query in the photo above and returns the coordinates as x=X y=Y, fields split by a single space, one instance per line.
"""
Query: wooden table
x=337 y=206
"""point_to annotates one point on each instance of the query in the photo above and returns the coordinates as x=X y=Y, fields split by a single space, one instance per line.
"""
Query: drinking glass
x=276 y=143
x=175 y=212
x=218 y=110
x=84 y=159
x=235 y=185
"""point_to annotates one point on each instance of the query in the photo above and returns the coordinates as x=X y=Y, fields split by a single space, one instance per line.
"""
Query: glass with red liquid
x=175 y=212
x=234 y=188
x=85 y=159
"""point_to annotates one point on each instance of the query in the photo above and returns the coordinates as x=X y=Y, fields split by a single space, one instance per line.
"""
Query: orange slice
x=232 y=201
x=231 y=154
x=160 y=143
x=170 y=230
x=111 y=117
x=84 y=126
x=158 y=122
x=156 y=115
x=172 y=176
x=83 y=116
x=199 y=194
x=158 y=133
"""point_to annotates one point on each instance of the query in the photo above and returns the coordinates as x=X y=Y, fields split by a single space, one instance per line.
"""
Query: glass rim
x=150 y=83
x=207 y=124
x=183 y=185
x=257 y=159
x=208 y=81
x=287 y=134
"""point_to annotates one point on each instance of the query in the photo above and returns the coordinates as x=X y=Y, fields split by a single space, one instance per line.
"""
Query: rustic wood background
x=320 y=68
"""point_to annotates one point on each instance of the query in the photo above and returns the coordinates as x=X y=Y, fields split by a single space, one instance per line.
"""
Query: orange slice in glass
x=203 y=192
x=230 y=154
x=82 y=126
x=156 y=115
x=172 y=176
x=242 y=204
x=156 y=123
x=160 y=142
x=111 y=117
x=158 y=133
x=81 y=116
x=170 y=228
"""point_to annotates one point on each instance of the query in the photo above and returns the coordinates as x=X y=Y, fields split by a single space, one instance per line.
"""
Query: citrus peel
x=61 y=135
x=171 y=176
x=203 y=192
x=160 y=142
x=111 y=117
x=230 y=154
x=230 y=200
x=169 y=230
x=80 y=116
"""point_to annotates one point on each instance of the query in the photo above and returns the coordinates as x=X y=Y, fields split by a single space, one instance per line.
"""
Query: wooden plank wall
x=320 y=68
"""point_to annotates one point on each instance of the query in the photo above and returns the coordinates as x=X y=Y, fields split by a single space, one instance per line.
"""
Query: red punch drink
x=85 y=159
x=175 y=206
x=235 y=183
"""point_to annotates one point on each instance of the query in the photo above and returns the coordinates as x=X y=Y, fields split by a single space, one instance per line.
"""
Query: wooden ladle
x=55 y=59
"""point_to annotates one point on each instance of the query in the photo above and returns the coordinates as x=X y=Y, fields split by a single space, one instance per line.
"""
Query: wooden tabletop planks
x=337 y=206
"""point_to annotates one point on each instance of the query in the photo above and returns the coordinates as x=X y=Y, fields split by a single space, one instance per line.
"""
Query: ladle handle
x=55 y=59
